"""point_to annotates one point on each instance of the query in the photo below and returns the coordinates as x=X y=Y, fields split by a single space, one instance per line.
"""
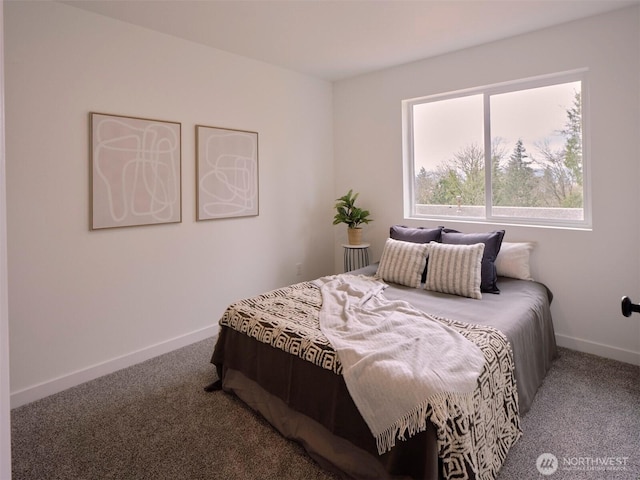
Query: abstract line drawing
x=227 y=179
x=135 y=171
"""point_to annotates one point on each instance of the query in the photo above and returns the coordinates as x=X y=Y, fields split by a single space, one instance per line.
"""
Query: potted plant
x=353 y=216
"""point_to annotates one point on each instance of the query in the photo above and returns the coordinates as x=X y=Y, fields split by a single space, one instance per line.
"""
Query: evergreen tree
x=573 y=143
x=519 y=186
x=498 y=153
x=562 y=181
x=448 y=186
x=423 y=187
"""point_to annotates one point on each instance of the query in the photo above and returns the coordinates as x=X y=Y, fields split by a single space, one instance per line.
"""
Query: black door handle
x=629 y=307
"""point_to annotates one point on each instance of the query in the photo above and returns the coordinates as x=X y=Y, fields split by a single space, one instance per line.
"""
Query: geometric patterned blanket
x=469 y=446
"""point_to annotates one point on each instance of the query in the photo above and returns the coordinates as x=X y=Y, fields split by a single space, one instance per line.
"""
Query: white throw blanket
x=396 y=360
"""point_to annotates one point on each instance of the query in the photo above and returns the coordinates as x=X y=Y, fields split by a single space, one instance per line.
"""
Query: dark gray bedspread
x=521 y=311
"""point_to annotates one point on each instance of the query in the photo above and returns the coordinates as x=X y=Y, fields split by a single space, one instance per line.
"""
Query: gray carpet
x=154 y=421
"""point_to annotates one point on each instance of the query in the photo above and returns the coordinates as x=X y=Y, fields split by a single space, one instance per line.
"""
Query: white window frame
x=409 y=173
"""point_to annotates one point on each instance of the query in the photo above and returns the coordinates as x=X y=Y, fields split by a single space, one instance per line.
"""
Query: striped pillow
x=455 y=269
x=402 y=262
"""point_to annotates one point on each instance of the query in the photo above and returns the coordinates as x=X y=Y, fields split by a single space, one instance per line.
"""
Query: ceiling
x=337 y=39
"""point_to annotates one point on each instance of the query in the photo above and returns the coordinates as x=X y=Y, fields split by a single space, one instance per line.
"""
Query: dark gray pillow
x=416 y=235
x=492 y=242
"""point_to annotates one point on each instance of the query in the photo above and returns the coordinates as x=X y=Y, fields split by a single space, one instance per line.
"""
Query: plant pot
x=354 y=235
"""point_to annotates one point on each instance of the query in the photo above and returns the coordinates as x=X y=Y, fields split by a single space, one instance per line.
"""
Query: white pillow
x=455 y=269
x=513 y=260
x=402 y=262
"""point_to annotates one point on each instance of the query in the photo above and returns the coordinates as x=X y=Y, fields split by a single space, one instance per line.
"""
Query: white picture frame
x=227 y=173
x=135 y=171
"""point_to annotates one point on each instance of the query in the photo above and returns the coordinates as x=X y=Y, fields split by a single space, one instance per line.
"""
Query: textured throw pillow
x=416 y=235
x=492 y=242
x=455 y=269
x=402 y=262
x=513 y=260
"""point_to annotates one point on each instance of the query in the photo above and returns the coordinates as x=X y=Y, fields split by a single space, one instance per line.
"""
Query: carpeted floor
x=154 y=421
x=587 y=415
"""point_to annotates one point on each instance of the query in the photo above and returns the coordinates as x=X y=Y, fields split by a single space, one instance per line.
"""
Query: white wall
x=588 y=271
x=83 y=303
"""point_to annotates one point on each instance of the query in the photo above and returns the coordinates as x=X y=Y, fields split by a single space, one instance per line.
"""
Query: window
x=530 y=133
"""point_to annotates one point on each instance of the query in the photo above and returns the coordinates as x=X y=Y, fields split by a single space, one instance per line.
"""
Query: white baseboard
x=42 y=390
x=600 y=349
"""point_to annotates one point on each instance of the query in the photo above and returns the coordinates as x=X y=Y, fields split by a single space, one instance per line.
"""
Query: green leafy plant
x=348 y=213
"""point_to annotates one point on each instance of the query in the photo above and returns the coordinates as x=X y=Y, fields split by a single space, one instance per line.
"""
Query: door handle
x=628 y=307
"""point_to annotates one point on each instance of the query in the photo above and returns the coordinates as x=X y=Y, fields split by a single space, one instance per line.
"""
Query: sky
x=442 y=128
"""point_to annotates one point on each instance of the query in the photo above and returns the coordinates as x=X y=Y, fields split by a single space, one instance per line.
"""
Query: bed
x=272 y=354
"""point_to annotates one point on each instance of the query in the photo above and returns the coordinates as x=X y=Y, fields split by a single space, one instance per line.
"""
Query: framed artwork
x=227 y=173
x=135 y=171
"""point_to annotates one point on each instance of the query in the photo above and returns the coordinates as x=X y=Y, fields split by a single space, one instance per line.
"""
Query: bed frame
x=312 y=405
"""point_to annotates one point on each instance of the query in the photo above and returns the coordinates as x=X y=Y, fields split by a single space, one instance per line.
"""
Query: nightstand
x=355 y=256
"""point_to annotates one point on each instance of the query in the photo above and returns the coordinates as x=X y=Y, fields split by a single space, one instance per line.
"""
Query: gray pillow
x=415 y=234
